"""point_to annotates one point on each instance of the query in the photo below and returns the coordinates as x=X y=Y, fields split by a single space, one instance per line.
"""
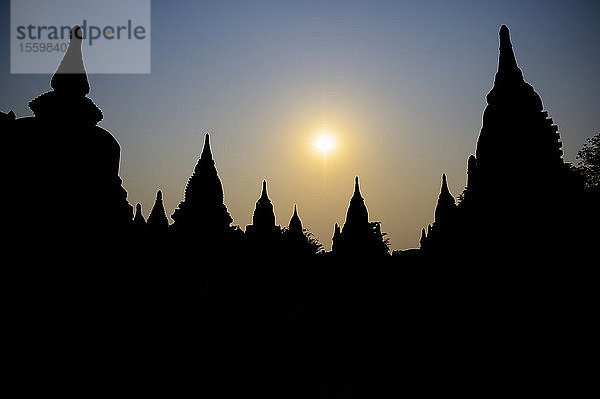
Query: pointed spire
x=263 y=218
x=203 y=211
x=70 y=87
x=295 y=225
x=356 y=187
x=139 y=220
x=445 y=195
x=446 y=202
x=357 y=214
x=264 y=190
x=444 y=184
x=70 y=77
x=206 y=152
x=507 y=63
x=158 y=217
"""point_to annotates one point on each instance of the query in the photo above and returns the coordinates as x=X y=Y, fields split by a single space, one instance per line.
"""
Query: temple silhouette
x=502 y=273
x=522 y=196
x=359 y=237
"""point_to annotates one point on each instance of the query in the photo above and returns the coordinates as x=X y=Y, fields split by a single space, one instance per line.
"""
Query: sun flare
x=325 y=142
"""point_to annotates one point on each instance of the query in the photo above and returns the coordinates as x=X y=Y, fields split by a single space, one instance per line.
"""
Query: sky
x=400 y=85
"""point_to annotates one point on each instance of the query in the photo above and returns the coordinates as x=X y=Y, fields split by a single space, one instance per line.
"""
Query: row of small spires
x=158 y=218
x=357 y=213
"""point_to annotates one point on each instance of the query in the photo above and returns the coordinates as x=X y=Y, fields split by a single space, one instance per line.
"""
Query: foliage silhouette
x=589 y=162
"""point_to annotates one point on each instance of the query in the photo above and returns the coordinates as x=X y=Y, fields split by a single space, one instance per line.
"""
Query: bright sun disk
x=324 y=142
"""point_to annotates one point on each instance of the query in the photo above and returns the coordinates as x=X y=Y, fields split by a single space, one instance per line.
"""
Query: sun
x=325 y=142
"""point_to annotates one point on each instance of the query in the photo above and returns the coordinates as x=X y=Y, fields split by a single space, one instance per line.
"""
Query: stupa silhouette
x=203 y=212
x=358 y=237
x=74 y=161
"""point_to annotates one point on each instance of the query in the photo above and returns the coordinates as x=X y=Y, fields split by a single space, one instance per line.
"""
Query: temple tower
x=358 y=236
x=295 y=226
x=263 y=219
x=202 y=211
x=357 y=217
x=157 y=221
x=64 y=138
x=519 y=146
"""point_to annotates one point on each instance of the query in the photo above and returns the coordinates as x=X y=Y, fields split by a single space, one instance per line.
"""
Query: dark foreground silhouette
x=500 y=298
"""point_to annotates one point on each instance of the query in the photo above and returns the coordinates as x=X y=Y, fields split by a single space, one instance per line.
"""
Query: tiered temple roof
x=202 y=211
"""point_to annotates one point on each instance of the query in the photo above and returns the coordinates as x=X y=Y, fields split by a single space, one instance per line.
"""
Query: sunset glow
x=325 y=142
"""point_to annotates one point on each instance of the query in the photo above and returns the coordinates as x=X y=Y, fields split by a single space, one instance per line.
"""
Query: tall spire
x=158 y=217
x=444 y=190
x=263 y=218
x=507 y=61
x=206 y=153
x=357 y=214
x=295 y=225
x=67 y=102
x=508 y=71
x=139 y=220
x=264 y=191
x=70 y=77
x=445 y=204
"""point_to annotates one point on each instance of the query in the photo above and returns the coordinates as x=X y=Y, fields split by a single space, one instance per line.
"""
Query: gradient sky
x=401 y=84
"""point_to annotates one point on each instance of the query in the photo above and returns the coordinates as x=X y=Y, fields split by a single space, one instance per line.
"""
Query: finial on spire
x=504 y=34
x=264 y=190
x=445 y=192
x=295 y=225
x=138 y=219
x=356 y=187
x=70 y=77
x=206 y=152
x=507 y=64
x=158 y=218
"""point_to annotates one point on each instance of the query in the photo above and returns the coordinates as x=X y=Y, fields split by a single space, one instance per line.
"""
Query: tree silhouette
x=589 y=162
